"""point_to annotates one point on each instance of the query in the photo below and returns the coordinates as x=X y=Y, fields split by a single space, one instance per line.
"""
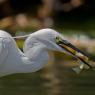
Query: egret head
x=49 y=38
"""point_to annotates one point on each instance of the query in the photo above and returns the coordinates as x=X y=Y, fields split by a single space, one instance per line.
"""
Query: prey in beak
x=74 y=51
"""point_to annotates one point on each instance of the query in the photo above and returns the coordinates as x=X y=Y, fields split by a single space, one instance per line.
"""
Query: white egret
x=35 y=51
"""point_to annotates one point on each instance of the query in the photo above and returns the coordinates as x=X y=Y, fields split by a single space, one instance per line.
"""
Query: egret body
x=35 y=51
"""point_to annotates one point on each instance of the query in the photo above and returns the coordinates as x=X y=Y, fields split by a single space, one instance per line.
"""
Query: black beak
x=77 y=53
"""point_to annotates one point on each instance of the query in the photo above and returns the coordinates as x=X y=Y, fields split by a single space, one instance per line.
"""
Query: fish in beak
x=77 y=53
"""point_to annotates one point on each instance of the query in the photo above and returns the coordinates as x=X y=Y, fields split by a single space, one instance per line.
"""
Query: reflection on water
x=54 y=80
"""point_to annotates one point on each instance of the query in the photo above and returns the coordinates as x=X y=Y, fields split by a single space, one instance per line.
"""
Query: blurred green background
x=75 y=19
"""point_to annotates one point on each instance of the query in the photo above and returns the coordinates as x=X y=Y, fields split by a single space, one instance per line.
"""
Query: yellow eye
x=58 y=39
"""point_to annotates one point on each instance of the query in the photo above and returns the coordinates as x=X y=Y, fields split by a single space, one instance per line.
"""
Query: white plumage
x=34 y=55
x=35 y=51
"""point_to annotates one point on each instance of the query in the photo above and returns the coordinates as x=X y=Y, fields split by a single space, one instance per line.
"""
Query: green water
x=54 y=80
